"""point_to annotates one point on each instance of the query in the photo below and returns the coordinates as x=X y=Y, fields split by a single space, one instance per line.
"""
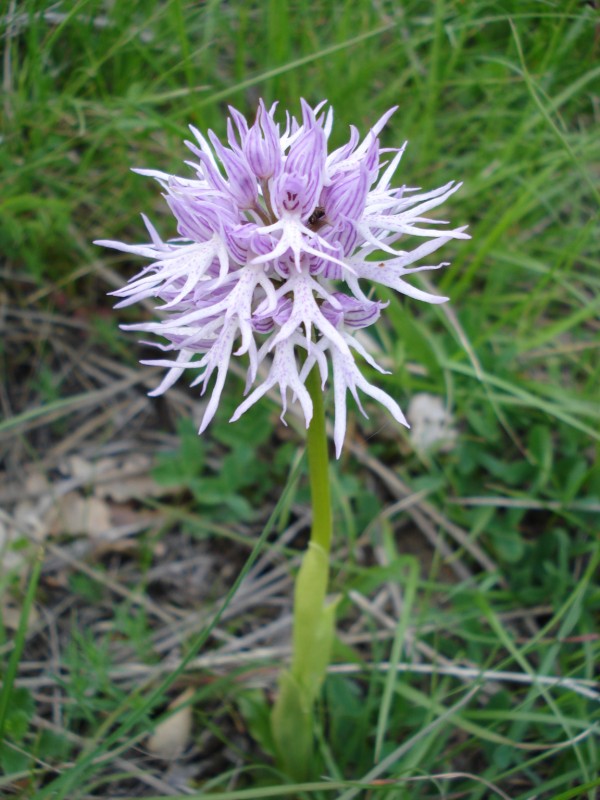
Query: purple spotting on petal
x=289 y=194
x=278 y=247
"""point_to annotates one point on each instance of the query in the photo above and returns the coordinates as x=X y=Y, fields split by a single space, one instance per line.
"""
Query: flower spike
x=277 y=239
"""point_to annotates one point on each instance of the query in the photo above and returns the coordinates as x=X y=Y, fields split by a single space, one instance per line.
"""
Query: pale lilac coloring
x=280 y=243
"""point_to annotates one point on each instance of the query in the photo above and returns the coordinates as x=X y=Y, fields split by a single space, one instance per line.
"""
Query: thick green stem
x=292 y=721
x=318 y=466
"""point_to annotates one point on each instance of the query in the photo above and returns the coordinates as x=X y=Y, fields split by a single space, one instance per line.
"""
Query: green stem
x=318 y=466
x=314 y=618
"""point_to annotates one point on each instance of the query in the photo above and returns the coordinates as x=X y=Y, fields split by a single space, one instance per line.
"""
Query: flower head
x=279 y=241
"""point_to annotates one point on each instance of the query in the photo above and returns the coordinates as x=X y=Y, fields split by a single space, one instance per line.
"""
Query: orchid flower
x=279 y=245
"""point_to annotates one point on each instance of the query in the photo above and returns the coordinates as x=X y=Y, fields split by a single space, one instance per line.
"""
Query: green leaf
x=313 y=621
x=292 y=726
x=256 y=711
x=542 y=449
x=185 y=463
x=12 y=760
x=508 y=544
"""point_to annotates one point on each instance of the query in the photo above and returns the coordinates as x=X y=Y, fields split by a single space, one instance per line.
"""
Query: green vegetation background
x=502 y=95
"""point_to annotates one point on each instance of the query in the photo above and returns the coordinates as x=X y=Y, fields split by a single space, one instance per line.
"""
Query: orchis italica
x=280 y=243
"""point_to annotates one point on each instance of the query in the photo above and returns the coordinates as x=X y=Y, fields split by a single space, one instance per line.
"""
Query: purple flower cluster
x=276 y=236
